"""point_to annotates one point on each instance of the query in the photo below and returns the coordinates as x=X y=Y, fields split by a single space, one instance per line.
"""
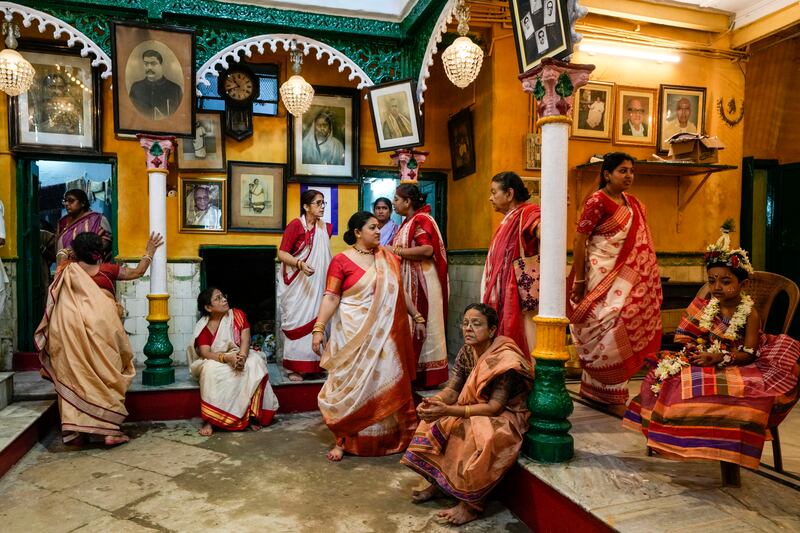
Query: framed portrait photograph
x=60 y=112
x=534 y=186
x=201 y=204
x=154 y=88
x=462 y=143
x=541 y=29
x=681 y=109
x=592 y=110
x=323 y=141
x=635 y=117
x=395 y=120
x=258 y=196
x=206 y=149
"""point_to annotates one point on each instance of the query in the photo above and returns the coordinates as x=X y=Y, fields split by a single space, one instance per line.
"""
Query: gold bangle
x=466 y=411
x=419 y=319
x=319 y=327
x=147 y=257
x=221 y=358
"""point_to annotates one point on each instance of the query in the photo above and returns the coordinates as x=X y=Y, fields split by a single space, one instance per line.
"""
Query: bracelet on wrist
x=221 y=358
x=745 y=349
x=146 y=257
x=727 y=359
x=319 y=327
x=418 y=318
x=466 y=411
x=579 y=281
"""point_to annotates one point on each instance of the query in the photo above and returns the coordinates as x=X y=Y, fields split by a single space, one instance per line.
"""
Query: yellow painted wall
x=8 y=192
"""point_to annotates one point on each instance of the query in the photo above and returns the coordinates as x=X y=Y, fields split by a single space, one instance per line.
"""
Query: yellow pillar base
x=158 y=308
x=550 y=338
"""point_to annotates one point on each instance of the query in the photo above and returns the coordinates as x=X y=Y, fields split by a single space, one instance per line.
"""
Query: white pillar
x=158 y=224
x=552 y=292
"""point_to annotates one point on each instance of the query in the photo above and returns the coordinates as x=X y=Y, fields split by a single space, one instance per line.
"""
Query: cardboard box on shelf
x=694 y=147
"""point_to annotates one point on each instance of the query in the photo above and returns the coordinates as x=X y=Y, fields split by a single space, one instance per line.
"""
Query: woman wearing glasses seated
x=471 y=432
x=234 y=382
x=305 y=254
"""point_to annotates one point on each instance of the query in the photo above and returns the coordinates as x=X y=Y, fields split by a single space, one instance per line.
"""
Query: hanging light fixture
x=16 y=73
x=296 y=92
x=462 y=59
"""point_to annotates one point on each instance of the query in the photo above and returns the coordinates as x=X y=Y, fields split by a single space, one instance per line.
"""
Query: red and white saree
x=366 y=400
x=429 y=287
x=618 y=321
x=301 y=295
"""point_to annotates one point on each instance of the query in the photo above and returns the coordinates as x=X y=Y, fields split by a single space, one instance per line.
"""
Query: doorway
x=41 y=185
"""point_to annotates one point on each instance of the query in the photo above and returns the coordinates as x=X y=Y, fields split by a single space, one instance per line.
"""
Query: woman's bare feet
x=206 y=429
x=113 y=440
x=458 y=515
x=255 y=426
x=335 y=454
x=423 y=494
x=294 y=376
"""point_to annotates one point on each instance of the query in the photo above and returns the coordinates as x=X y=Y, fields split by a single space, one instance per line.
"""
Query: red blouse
x=343 y=273
x=294 y=236
x=206 y=338
x=106 y=276
x=598 y=208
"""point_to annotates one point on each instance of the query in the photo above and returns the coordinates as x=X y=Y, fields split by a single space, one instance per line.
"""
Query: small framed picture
x=323 y=141
x=206 y=151
x=201 y=204
x=258 y=196
x=153 y=79
x=592 y=111
x=395 y=120
x=60 y=112
x=681 y=109
x=635 y=118
x=462 y=143
x=534 y=186
x=541 y=29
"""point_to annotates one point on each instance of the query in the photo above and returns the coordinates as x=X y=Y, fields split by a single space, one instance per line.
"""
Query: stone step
x=6 y=388
x=22 y=424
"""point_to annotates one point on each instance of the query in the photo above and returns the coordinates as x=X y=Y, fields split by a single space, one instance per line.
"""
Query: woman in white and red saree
x=82 y=344
x=424 y=265
x=234 y=381
x=304 y=253
x=366 y=400
x=510 y=282
x=615 y=303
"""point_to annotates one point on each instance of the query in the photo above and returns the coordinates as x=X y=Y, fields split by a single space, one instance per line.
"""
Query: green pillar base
x=158 y=366
x=548 y=439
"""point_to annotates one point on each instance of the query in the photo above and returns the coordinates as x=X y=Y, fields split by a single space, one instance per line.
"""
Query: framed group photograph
x=206 y=150
x=681 y=109
x=592 y=110
x=153 y=79
x=634 y=123
x=201 y=204
x=323 y=141
x=60 y=112
x=462 y=143
x=541 y=29
x=257 y=196
x=395 y=120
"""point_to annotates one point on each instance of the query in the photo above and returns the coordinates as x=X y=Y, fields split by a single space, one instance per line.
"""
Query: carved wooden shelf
x=665 y=169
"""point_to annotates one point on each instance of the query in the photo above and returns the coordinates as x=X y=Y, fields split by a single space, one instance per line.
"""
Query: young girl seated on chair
x=716 y=398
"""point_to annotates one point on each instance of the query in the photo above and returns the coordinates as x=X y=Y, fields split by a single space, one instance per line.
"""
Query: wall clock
x=239 y=86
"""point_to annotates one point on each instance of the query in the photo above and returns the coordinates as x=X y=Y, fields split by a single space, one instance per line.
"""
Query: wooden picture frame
x=462 y=143
x=257 y=196
x=395 y=120
x=202 y=213
x=60 y=113
x=335 y=159
x=592 y=110
x=672 y=110
x=206 y=150
x=634 y=120
x=154 y=81
x=541 y=29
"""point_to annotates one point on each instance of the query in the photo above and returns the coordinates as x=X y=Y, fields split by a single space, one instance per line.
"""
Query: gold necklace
x=363 y=252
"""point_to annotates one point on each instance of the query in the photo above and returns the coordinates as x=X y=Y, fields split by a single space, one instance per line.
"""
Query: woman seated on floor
x=234 y=381
x=82 y=344
x=716 y=398
x=471 y=432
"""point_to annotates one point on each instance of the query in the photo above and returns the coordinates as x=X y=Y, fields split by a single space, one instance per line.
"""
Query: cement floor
x=168 y=478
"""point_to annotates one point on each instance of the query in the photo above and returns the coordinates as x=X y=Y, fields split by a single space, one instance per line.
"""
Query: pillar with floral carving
x=553 y=84
x=409 y=162
x=158 y=349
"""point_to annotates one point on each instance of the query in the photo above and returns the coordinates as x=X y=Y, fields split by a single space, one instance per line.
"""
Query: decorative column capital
x=409 y=162
x=157 y=149
x=553 y=84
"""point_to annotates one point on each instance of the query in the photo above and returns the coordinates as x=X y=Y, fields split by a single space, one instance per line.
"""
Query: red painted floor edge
x=542 y=508
x=23 y=443
x=22 y=361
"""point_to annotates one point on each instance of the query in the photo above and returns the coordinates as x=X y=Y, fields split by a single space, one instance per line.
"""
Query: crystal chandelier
x=462 y=59
x=16 y=73
x=296 y=92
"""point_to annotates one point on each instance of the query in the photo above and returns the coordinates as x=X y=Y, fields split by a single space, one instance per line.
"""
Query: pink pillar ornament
x=409 y=162
x=553 y=84
x=157 y=148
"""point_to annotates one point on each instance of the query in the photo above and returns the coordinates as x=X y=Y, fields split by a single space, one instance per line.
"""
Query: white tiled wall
x=183 y=286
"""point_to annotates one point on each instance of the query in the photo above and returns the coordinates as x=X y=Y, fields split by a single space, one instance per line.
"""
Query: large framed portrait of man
x=323 y=141
x=60 y=112
x=202 y=202
x=395 y=120
x=634 y=123
x=258 y=196
x=153 y=79
x=681 y=109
